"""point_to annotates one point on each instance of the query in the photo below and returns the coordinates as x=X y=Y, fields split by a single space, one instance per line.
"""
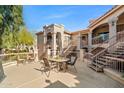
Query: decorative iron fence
x=12 y=57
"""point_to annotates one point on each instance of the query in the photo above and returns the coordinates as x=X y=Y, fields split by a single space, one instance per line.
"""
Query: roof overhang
x=39 y=33
x=107 y=14
x=86 y=31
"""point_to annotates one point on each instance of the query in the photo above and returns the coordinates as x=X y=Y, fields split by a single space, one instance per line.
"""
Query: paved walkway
x=27 y=76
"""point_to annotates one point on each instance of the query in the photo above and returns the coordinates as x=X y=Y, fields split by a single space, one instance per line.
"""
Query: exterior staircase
x=69 y=49
x=109 y=57
x=96 y=50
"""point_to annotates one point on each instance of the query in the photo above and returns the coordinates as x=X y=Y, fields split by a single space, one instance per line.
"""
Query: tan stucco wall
x=84 y=41
x=120 y=23
x=66 y=39
x=75 y=39
x=121 y=20
x=40 y=43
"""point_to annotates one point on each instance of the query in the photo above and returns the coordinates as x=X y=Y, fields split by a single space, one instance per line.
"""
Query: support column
x=79 y=41
x=112 y=30
x=62 y=38
x=89 y=41
x=45 y=40
x=82 y=53
x=54 y=44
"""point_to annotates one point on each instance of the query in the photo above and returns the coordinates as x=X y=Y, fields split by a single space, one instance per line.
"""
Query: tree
x=10 y=22
x=25 y=38
x=7 y=38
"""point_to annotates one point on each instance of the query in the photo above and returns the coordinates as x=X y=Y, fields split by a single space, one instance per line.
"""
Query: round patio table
x=61 y=63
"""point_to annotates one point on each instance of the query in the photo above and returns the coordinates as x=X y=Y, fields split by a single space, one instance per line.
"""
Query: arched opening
x=100 y=34
x=49 y=40
x=58 y=42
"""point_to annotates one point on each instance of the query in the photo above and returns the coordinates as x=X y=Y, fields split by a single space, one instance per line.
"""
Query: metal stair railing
x=89 y=54
x=113 y=64
x=68 y=48
x=111 y=39
x=100 y=39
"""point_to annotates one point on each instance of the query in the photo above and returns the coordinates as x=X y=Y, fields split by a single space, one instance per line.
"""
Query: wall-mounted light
x=113 y=23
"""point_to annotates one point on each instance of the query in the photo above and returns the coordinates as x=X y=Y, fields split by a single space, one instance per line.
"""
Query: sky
x=73 y=17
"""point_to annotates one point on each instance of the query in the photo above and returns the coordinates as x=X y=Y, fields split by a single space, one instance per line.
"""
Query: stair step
x=118 y=53
x=113 y=58
x=98 y=65
x=102 y=59
x=115 y=55
x=96 y=50
x=121 y=45
x=95 y=68
x=120 y=48
x=101 y=62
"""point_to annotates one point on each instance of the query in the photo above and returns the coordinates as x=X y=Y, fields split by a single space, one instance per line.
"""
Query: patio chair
x=20 y=61
x=46 y=67
x=30 y=58
x=72 y=61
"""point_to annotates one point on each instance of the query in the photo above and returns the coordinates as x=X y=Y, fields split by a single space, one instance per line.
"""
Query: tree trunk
x=2 y=75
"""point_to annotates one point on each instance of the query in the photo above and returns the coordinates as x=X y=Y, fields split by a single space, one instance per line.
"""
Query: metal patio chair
x=73 y=60
x=47 y=67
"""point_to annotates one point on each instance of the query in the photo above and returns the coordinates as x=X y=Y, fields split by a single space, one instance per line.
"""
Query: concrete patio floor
x=26 y=76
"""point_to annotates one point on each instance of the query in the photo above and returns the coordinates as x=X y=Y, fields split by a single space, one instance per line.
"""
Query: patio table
x=61 y=62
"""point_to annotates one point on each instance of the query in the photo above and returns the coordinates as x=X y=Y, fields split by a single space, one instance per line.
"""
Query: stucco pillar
x=79 y=41
x=89 y=41
x=82 y=51
x=112 y=30
x=45 y=40
x=54 y=44
x=62 y=40
x=35 y=51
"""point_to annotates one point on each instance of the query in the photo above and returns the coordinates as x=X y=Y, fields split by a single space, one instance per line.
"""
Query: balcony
x=100 y=39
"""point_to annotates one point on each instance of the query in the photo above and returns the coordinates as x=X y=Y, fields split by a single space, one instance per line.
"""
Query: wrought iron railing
x=71 y=46
x=12 y=57
x=100 y=39
x=68 y=46
x=119 y=38
x=102 y=44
